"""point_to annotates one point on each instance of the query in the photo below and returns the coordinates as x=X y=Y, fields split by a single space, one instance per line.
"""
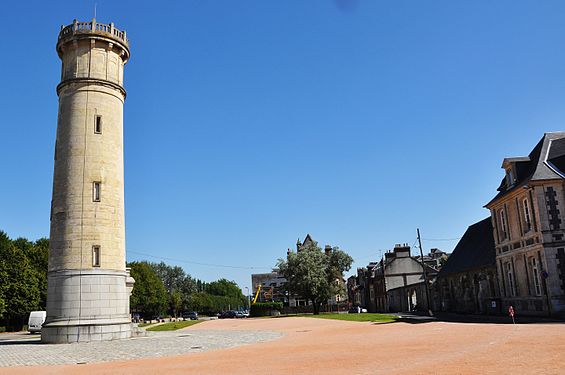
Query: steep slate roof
x=475 y=249
x=307 y=242
x=545 y=162
x=308 y=239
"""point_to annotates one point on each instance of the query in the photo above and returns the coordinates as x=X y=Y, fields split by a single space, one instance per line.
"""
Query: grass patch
x=363 y=317
x=144 y=324
x=173 y=326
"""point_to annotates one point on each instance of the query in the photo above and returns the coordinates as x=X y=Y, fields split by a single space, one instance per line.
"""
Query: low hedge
x=266 y=309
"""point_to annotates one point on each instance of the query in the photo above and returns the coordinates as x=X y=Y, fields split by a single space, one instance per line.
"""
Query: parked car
x=241 y=314
x=36 y=320
x=192 y=315
x=230 y=314
x=357 y=309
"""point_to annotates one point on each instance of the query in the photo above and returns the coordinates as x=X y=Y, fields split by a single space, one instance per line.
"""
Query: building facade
x=269 y=287
x=529 y=231
x=395 y=283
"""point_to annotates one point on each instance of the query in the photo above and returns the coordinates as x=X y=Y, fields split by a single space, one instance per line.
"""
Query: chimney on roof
x=402 y=251
x=389 y=255
x=327 y=249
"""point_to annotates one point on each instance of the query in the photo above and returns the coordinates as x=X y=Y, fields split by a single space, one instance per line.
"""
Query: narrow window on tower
x=98 y=124
x=96 y=256
x=96 y=187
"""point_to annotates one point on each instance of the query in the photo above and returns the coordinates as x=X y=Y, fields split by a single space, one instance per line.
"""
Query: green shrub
x=209 y=304
x=2 y=329
x=265 y=308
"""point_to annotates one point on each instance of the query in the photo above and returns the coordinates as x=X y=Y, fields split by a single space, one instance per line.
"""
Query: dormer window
x=512 y=166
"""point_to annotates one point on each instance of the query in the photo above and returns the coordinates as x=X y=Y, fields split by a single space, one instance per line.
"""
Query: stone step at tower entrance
x=88 y=283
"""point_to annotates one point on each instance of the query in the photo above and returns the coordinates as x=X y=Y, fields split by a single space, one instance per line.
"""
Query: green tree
x=315 y=275
x=223 y=287
x=209 y=304
x=175 y=280
x=443 y=260
x=3 y=287
x=188 y=287
x=149 y=296
x=38 y=254
x=172 y=277
x=175 y=302
x=216 y=296
x=4 y=244
x=20 y=283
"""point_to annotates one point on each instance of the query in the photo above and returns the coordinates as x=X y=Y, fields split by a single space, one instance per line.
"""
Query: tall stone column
x=88 y=283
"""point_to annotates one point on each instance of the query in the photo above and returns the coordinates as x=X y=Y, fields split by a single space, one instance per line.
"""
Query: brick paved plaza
x=315 y=346
x=27 y=350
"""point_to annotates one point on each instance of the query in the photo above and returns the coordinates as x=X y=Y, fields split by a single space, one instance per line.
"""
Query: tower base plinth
x=84 y=331
x=87 y=305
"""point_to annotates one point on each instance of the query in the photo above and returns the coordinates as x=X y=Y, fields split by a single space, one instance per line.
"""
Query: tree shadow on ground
x=20 y=342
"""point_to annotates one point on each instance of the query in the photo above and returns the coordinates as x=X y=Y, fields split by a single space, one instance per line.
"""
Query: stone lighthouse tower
x=88 y=284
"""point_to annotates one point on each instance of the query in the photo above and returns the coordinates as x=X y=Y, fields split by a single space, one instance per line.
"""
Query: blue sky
x=251 y=123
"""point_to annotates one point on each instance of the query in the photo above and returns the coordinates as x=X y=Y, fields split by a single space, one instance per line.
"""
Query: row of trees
x=23 y=279
x=163 y=289
x=159 y=288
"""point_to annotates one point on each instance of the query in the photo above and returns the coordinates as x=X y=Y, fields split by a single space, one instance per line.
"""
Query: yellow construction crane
x=256 y=294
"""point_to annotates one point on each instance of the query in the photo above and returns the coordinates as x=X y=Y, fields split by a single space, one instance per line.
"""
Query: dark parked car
x=227 y=315
x=357 y=309
x=192 y=315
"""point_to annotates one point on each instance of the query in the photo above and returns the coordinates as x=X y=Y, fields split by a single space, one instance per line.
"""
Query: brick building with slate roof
x=529 y=229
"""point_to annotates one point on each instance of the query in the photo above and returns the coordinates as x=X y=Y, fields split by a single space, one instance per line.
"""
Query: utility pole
x=425 y=273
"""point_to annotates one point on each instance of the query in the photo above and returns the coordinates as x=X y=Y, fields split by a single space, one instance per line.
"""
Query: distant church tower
x=88 y=284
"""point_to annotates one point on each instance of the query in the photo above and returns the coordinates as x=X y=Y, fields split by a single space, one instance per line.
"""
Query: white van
x=36 y=320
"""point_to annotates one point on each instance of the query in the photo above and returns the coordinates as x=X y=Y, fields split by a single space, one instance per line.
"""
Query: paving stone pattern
x=31 y=352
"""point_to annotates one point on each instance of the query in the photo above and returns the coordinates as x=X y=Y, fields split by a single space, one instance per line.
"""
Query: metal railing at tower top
x=93 y=27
